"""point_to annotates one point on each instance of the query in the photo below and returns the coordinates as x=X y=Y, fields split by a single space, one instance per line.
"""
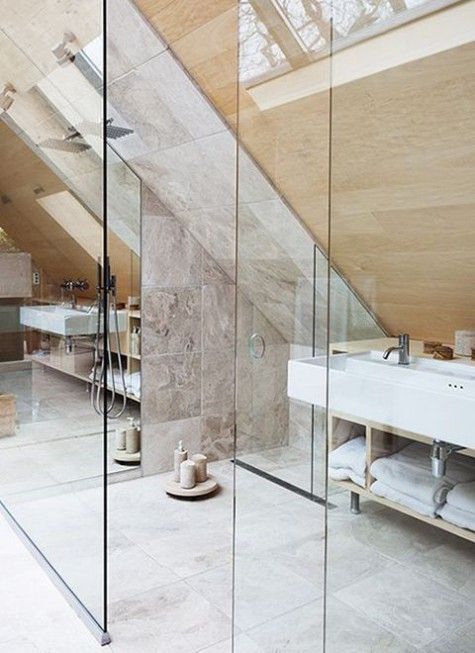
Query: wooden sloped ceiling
x=402 y=165
x=35 y=231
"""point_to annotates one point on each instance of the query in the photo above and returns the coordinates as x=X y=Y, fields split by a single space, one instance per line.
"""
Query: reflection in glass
x=278 y=35
x=51 y=236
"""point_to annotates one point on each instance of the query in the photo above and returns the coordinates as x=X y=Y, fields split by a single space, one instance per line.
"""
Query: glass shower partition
x=282 y=279
x=52 y=446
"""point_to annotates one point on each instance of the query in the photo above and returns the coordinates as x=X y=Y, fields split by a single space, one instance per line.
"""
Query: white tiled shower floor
x=395 y=585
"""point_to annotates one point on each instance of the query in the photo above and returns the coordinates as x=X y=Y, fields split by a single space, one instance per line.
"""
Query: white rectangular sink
x=429 y=397
x=66 y=321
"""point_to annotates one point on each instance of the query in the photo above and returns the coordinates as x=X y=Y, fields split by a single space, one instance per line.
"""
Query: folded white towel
x=350 y=455
x=411 y=480
x=462 y=518
x=460 y=469
x=345 y=474
x=409 y=472
x=382 y=490
x=117 y=376
x=463 y=497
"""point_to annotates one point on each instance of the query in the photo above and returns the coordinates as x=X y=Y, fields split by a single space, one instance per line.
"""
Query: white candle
x=120 y=439
x=132 y=440
x=201 y=467
x=187 y=474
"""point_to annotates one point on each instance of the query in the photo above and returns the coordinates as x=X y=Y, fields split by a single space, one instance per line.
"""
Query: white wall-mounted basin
x=66 y=321
x=429 y=397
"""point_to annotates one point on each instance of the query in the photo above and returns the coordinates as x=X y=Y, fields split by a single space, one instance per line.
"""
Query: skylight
x=270 y=30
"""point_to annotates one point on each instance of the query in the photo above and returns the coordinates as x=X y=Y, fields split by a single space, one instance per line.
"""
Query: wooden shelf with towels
x=383 y=440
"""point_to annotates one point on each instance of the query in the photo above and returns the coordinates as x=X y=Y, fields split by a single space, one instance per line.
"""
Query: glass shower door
x=52 y=443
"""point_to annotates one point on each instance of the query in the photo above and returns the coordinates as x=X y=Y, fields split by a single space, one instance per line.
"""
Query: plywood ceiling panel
x=35 y=231
x=403 y=167
x=192 y=14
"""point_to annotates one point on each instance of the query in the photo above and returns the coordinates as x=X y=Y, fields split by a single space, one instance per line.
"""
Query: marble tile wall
x=187 y=343
x=187 y=156
x=262 y=414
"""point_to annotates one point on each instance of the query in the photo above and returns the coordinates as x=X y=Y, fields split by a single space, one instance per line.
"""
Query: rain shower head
x=112 y=131
x=74 y=141
x=65 y=145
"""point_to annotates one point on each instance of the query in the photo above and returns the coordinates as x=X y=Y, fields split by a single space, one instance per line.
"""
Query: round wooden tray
x=121 y=456
x=200 y=489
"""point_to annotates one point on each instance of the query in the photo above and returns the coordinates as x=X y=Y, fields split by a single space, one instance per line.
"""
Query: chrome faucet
x=402 y=348
x=71 y=285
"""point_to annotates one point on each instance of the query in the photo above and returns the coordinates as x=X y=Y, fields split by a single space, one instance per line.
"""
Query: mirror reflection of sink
x=429 y=397
x=63 y=321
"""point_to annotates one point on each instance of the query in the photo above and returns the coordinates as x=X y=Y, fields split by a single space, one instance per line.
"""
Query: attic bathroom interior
x=237 y=319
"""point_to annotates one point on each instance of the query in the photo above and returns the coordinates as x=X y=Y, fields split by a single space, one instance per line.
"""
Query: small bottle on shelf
x=134 y=342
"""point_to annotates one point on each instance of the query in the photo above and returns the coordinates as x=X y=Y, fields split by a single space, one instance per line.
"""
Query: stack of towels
x=132 y=381
x=406 y=478
x=348 y=462
x=460 y=506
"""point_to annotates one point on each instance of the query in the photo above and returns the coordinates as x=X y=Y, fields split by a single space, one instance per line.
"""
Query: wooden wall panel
x=403 y=167
x=181 y=17
x=35 y=231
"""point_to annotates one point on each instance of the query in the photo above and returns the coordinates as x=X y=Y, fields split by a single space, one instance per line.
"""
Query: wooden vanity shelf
x=382 y=440
x=79 y=363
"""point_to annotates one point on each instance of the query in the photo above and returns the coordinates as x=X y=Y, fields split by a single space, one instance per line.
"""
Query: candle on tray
x=187 y=474
x=120 y=439
x=201 y=467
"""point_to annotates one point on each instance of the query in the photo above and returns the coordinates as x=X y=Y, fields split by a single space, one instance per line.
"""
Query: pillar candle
x=120 y=439
x=187 y=474
x=132 y=440
x=201 y=467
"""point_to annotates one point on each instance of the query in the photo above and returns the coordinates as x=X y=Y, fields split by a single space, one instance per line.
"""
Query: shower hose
x=103 y=360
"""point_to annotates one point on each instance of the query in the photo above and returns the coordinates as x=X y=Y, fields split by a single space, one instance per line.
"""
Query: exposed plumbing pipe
x=64 y=55
x=6 y=99
x=440 y=451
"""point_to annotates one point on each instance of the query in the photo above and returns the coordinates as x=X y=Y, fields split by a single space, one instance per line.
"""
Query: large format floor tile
x=176 y=616
x=413 y=607
x=460 y=641
x=264 y=589
x=347 y=631
x=395 y=585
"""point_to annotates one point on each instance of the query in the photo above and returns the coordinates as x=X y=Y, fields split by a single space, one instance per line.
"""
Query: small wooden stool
x=7 y=415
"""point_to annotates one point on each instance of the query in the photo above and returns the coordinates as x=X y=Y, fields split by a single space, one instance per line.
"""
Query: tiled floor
x=55 y=453
x=58 y=438
x=394 y=584
x=35 y=616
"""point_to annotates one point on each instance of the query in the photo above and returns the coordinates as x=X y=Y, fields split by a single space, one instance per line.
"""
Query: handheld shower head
x=103 y=376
